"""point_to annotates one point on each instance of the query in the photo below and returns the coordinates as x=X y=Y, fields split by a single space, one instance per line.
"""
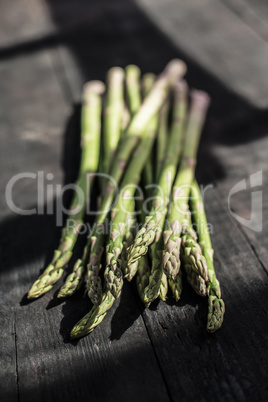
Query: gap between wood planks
x=16 y=356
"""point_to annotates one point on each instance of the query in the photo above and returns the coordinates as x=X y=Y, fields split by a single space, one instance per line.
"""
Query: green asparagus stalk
x=133 y=88
x=216 y=306
x=90 y=144
x=181 y=189
x=162 y=138
x=113 y=115
x=147 y=234
x=146 y=84
x=134 y=133
x=162 y=141
x=94 y=317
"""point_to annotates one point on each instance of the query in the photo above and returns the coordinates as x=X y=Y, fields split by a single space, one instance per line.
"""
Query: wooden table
x=48 y=49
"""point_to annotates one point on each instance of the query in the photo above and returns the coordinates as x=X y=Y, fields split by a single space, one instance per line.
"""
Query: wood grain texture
x=104 y=366
x=213 y=35
x=23 y=21
x=252 y=13
x=220 y=365
x=8 y=357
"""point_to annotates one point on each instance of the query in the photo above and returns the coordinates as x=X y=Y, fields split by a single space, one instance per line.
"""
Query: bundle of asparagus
x=134 y=127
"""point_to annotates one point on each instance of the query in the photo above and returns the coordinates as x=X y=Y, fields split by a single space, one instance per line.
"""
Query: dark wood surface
x=48 y=49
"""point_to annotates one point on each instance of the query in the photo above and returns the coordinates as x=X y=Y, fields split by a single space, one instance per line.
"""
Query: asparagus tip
x=117 y=73
x=200 y=98
x=95 y=86
x=176 y=67
x=133 y=71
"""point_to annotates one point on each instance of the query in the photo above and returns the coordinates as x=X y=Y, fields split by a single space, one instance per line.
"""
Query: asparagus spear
x=134 y=132
x=216 y=306
x=181 y=189
x=162 y=141
x=113 y=115
x=146 y=84
x=147 y=234
x=94 y=317
x=133 y=88
x=162 y=138
x=90 y=143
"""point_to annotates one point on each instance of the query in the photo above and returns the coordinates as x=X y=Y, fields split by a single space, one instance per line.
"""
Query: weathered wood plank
x=114 y=361
x=240 y=164
x=8 y=358
x=251 y=14
x=215 y=37
x=22 y=21
x=217 y=366
x=260 y=7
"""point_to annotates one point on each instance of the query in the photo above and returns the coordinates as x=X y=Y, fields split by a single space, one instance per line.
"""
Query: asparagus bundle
x=167 y=237
x=113 y=115
x=90 y=144
x=134 y=132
